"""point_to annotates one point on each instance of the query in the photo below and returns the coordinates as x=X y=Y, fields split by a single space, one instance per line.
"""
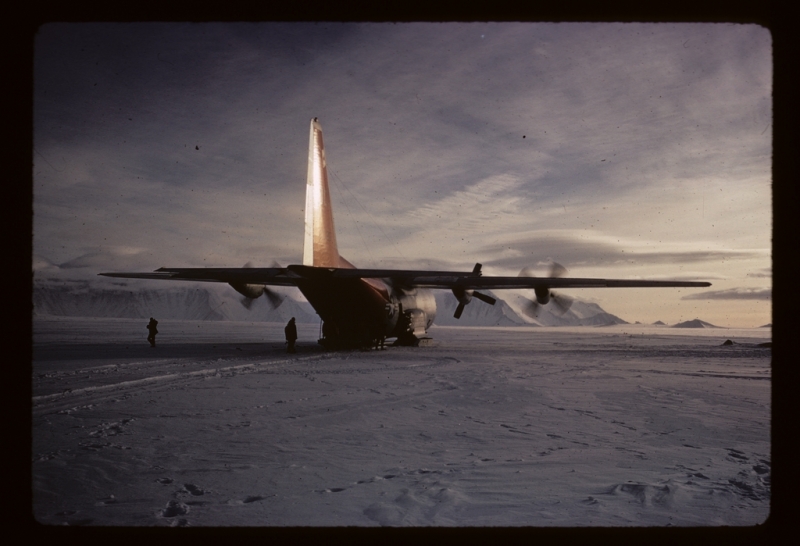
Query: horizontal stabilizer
x=277 y=276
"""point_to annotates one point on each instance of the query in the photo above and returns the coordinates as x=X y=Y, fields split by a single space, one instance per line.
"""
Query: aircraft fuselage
x=357 y=311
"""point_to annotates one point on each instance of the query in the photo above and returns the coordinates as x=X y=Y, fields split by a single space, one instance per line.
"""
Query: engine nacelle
x=422 y=306
x=463 y=296
x=542 y=295
x=251 y=291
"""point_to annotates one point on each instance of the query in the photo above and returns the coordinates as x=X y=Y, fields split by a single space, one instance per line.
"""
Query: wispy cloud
x=762 y=274
x=733 y=294
x=578 y=248
x=616 y=146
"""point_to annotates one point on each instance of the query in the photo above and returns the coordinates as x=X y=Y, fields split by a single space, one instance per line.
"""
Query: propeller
x=274 y=298
x=253 y=291
x=544 y=295
x=464 y=296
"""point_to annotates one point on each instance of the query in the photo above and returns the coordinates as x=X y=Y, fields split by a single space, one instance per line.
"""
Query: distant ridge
x=476 y=313
x=508 y=312
x=696 y=323
x=217 y=301
x=185 y=302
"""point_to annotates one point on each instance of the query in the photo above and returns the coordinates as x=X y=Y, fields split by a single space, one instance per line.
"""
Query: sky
x=620 y=150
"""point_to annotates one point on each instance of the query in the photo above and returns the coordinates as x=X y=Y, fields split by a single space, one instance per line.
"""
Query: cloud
x=762 y=273
x=764 y=294
x=43 y=264
x=636 y=149
x=92 y=259
x=573 y=249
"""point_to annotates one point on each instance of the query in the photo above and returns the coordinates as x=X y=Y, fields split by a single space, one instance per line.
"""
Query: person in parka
x=291 y=335
x=151 y=327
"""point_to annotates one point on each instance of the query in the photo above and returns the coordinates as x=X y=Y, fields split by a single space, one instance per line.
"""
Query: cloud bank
x=641 y=149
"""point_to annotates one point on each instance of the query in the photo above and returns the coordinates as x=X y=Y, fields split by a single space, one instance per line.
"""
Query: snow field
x=217 y=426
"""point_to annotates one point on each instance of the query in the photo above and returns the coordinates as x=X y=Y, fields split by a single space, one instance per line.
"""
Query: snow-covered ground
x=618 y=425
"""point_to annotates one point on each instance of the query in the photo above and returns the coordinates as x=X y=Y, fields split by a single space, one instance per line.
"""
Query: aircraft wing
x=411 y=278
x=471 y=280
x=495 y=283
x=276 y=276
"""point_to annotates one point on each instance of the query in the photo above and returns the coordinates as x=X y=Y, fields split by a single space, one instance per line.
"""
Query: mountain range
x=213 y=301
x=508 y=311
x=210 y=301
x=695 y=323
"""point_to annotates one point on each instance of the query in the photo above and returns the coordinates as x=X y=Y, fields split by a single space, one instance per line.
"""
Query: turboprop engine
x=561 y=302
x=251 y=291
x=542 y=296
x=465 y=296
x=419 y=305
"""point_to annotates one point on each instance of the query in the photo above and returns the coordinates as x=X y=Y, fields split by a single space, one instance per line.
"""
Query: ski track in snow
x=217 y=426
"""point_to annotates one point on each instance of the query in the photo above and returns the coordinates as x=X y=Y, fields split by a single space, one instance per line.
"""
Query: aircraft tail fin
x=319 y=244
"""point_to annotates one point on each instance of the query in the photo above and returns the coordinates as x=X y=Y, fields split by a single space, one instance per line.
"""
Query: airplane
x=359 y=306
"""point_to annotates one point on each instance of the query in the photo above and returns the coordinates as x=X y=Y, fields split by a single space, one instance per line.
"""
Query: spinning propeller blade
x=274 y=298
x=561 y=302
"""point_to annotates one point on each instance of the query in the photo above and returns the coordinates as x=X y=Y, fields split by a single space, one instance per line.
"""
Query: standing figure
x=291 y=335
x=151 y=327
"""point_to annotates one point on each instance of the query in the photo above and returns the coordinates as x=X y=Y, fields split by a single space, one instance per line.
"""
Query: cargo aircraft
x=359 y=306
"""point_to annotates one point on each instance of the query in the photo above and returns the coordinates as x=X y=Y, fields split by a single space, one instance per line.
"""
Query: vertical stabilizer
x=319 y=245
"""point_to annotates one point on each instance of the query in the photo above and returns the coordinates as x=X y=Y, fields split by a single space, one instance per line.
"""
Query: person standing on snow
x=291 y=335
x=151 y=327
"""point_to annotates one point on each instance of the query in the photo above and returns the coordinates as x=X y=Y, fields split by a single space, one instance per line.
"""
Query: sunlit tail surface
x=319 y=244
x=355 y=311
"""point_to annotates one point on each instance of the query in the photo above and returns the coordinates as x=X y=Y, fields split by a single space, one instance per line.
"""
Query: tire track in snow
x=249 y=367
x=41 y=403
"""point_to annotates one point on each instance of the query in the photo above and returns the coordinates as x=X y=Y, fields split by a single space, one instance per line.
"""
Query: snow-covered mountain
x=184 y=302
x=508 y=311
x=477 y=313
x=696 y=323
x=213 y=301
x=581 y=313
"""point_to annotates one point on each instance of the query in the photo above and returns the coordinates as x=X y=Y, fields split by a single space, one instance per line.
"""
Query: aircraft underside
x=357 y=313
